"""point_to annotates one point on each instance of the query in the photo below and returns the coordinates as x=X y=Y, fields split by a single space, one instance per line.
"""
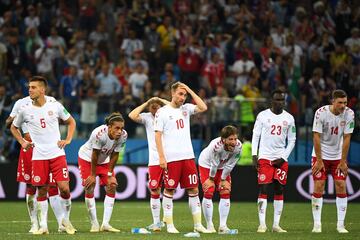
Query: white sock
x=195 y=208
x=66 y=206
x=155 y=206
x=224 y=209
x=32 y=210
x=168 y=211
x=56 y=207
x=341 y=205
x=316 y=204
x=262 y=204
x=43 y=213
x=108 y=208
x=208 y=206
x=278 y=207
x=91 y=207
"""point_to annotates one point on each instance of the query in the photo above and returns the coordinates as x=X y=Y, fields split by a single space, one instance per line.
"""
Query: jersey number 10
x=180 y=123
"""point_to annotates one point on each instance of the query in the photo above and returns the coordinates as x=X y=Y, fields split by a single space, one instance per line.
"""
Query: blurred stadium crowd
x=105 y=55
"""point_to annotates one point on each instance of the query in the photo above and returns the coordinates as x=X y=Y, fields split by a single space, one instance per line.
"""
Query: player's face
x=153 y=108
x=230 y=142
x=115 y=130
x=179 y=96
x=339 y=105
x=278 y=102
x=36 y=89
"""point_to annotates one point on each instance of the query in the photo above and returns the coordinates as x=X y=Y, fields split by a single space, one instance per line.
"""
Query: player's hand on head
x=90 y=182
x=63 y=143
x=342 y=168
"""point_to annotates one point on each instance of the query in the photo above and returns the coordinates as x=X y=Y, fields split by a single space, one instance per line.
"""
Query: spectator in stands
x=169 y=36
x=138 y=59
x=69 y=90
x=137 y=80
x=241 y=70
x=213 y=73
x=91 y=56
x=130 y=45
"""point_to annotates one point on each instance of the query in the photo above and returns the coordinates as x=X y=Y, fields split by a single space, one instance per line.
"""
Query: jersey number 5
x=42 y=122
x=275 y=130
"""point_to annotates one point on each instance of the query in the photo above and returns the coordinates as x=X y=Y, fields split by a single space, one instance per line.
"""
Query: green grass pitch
x=296 y=219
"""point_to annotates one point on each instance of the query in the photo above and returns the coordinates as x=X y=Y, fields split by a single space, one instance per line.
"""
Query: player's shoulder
x=349 y=112
x=124 y=134
x=263 y=113
x=217 y=144
x=145 y=115
x=238 y=144
x=323 y=110
x=288 y=115
x=100 y=132
x=50 y=99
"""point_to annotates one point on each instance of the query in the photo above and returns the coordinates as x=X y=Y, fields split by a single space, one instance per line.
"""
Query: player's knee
x=278 y=189
x=193 y=191
x=42 y=191
x=155 y=191
x=208 y=195
x=319 y=186
x=169 y=192
x=340 y=186
x=30 y=190
x=111 y=189
x=53 y=191
x=225 y=194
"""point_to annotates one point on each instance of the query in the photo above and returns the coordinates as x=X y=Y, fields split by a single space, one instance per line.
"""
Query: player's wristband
x=109 y=174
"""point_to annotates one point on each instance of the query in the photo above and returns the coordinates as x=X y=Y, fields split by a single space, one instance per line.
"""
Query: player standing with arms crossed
x=97 y=157
x=24 y=172
x=176 y=154
x=272 y=128
x=216 y=162
x=332 y=129
x=48 y=160
x=155 y=172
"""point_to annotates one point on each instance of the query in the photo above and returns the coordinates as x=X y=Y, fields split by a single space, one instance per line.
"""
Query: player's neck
x=174 y=105
x=40 y=101
x=332 y=110
x=277 y=112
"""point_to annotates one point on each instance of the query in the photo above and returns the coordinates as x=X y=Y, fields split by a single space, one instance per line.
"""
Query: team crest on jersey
x=26 y=177
x=31 y=116
x=153 y=182
x=170 y=117
x=285 y=123
x=342 y=123
x=37 y=179
x=50 y=113
x=269 y=120
x=262 y=177
x=184 y=113
x=171 y=182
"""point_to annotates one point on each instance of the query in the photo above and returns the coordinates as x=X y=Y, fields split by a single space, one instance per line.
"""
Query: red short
x=268 y=173
x=24 y=166
x=101 y=171
x=183 y=171
x=330 y=166
x=49 y=171
x=204 y=175
x=155 y=177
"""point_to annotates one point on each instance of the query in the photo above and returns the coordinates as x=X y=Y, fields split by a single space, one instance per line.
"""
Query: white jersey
x=215 y=157
x=149 y=120
x=17 y=106
x=99 y=139
x=272 y=130
x=174 y=123
x=332 y=128
x=43 y=126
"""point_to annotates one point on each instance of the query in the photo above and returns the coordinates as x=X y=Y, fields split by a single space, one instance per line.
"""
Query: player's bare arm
x=135 y=114
x=200 y=104
x=91 y=180
x=319 y=164
x=9 y=121
x=208 y=183
x=111 y=179
x=70 y=132
x=255 y=162
x=343 y=167
x=17 y=135
x=160 y=149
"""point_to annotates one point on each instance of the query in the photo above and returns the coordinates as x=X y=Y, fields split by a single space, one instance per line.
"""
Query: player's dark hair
x=114 y=117
x=276 y=91
x=39 y=79
x=227 y=131
x=338 y=93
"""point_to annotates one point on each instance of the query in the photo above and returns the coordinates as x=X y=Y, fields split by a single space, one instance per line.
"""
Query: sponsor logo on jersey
x=50 y=113
x=285 y=123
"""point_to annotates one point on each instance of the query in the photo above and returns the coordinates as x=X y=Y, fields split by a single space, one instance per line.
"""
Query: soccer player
x=272 y=127
x=176 y=155
x=24 y=172
x=48 y=159
x=332 y=129
x=155 y=172
x=97 y=157
x=216 y=162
